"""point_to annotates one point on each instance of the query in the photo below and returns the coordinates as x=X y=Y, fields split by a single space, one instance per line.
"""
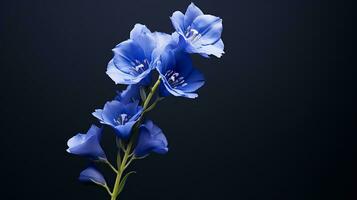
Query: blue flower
x=132 y=60
x=87 y=144
x=178 y=76
x=164 y=41
x=120 y=116
x=151 y=139
x=129 y=95
x=199 y=33
x=91 y=174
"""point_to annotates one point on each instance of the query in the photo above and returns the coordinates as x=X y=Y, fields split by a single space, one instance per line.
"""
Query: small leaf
x=122 y=183
x=142 y=94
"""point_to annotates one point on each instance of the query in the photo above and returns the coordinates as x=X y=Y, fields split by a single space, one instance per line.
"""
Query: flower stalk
x=127 y=152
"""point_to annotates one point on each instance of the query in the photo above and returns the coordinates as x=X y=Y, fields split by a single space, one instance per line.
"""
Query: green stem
x=125 y=162
x=111 y=166
x=152 y=92
x=120 y=173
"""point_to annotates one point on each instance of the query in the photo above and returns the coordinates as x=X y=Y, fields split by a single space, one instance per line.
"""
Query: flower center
x=175 y=79
x=122 y=119
x=192 y=34
x=140 y=67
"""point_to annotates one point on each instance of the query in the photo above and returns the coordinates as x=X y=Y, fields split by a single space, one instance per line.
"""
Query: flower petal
x=177 y=20
x=123 y=131
x=126 y=56
x=91 y=174
x=209 y=27
x=151 y=139
x=111 y=111
x=131 y=93
x=87 y=144
x=215 y=49
x=191 y=14
x=162 y=41
x=167 y=62
x=195 y=80
x=118 y=76
x=144 y=38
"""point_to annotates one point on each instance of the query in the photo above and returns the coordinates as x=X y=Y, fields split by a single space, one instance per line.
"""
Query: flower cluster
x=134 y=64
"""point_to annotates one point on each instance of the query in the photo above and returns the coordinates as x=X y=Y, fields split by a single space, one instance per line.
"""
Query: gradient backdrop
x=275 y=120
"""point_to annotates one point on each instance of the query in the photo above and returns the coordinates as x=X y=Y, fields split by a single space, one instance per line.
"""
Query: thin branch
x=111 y=166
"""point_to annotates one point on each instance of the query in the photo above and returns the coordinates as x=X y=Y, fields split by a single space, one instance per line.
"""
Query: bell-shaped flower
x=200 y=33
x=151 y=139
x=178 y=76
x=91 y=174
x=87 y=144
x=129 y=95
x=132 y=61
x=120 y=116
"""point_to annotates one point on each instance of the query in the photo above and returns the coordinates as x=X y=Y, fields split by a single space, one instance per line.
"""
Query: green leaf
x=122 y=183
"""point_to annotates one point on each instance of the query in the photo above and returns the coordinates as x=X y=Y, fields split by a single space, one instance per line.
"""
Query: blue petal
x=118 y=76
x=162 y=41
x=130 y=94
x=194 y=81
x=167 y=62
x=144 y=38
x=91 y=174
x=111 y=111
x=163 y=90
x=177 y=20
x=184 y=67
x=216 y=49
x=98 y=114
x=87 y=144
x=183 y=63
x=126 y=54
x=151 y=139
x=132 y=108
x=123 y=131
x=175 y=91
x=191 y=14
x=209 y=27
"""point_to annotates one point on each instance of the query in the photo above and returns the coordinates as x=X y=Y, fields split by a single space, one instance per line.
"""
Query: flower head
x=87 y=144
x=199 y=33
x=132 y=60
x=120 y=116
x=179 y=77
x=151 y=139
x=91 y=174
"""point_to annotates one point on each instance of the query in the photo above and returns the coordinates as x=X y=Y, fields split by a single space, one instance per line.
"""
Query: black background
x=275 y=120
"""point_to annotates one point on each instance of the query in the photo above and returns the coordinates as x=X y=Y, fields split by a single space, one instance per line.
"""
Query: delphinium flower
x=88 y=144
x=200 y=33
x=121 y=117
x=178 y=75
x=91 y=174
x=136 y=61
x=132 y=60
x=151 y=139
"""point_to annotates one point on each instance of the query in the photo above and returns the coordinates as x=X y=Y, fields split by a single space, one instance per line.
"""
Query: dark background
x=275 y=120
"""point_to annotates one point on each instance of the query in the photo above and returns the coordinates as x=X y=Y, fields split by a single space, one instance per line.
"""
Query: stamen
x=122 y=119
x=140 y=66
x=174 y=78
x=192 y=34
